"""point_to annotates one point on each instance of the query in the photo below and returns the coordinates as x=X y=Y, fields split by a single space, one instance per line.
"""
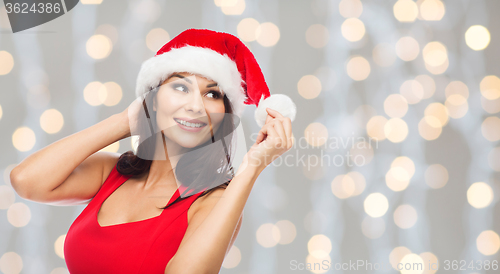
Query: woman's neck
x=161 y=171
x=160 y=175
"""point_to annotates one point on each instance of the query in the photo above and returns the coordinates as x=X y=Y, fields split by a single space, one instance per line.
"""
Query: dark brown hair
x=207 y=164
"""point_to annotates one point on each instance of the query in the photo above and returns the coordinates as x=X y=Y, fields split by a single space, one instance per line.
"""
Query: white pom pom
x=279 y=102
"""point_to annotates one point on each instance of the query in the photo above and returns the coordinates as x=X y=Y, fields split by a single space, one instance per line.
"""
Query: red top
x=144 y=246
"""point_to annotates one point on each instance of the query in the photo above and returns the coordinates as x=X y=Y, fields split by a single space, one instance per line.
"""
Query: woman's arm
x=38 y=175
x=209 y=233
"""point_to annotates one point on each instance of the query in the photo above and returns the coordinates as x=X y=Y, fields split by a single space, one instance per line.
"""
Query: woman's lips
x=190 y=120
x=188 y=128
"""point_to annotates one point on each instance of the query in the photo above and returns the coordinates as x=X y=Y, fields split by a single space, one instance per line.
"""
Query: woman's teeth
x=188 y=124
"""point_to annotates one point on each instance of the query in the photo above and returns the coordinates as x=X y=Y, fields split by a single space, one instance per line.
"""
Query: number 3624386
x=34 y=8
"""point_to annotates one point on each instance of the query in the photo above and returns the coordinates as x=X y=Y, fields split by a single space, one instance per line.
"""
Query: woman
x=191 y=94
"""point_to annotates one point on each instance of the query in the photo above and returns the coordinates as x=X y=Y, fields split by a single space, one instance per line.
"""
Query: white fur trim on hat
x=197 y=60
x=279 y=102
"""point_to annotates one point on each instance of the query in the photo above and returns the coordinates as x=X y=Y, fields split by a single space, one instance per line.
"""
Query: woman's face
x=187 y=106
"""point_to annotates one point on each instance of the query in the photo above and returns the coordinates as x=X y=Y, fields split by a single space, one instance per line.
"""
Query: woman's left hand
x=273 y=139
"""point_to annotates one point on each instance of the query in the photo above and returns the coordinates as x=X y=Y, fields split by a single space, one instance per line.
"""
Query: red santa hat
x=220 y=57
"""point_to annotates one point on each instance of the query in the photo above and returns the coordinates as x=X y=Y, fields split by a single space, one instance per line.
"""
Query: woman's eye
x=182 y=88
x=215 y=94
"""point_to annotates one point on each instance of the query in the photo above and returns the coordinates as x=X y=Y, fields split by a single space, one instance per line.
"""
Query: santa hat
x=220 y=57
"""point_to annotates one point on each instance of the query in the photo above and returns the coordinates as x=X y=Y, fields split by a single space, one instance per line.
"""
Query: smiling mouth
x=188 y=124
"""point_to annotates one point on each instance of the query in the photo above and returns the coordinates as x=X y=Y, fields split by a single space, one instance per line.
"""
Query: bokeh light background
x=410 y=87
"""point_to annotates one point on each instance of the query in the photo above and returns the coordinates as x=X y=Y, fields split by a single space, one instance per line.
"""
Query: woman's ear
x=154 y=103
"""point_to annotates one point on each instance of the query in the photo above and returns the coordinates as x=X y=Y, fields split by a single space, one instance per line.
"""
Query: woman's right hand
x=274 y=139
x=131 y=116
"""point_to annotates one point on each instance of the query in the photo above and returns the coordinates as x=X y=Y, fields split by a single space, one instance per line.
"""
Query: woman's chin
x=190 y=139
x=188 y=144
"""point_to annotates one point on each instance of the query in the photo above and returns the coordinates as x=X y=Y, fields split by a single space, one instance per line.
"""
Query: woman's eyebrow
x=182 y=77
x=189 y=81
x=214 y=85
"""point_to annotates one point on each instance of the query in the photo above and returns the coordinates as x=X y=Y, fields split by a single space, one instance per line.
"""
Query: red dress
x=144 y=246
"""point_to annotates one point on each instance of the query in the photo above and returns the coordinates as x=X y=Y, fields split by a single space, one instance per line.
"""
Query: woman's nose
x=195 y=102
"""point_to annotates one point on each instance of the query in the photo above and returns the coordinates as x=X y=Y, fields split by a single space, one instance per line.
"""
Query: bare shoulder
x=110 y=159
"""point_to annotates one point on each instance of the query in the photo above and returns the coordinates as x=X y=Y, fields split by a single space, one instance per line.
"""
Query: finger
x=278 y=126
x=287 y=125
x=270 y=112
x=268 y=118
x=262 y=134
x=272 y=134
x=274 y=113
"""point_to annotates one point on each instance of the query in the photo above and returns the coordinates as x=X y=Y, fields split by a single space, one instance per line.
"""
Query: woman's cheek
x=218 y=123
